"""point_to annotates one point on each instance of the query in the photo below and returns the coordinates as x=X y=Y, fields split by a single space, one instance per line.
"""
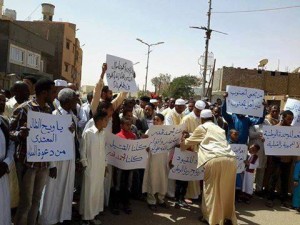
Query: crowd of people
x=43 y=192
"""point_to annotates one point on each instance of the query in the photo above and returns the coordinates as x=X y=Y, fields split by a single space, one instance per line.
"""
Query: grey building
x=22 y=53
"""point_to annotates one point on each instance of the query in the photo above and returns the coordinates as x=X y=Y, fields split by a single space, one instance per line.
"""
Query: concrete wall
x=272 y=82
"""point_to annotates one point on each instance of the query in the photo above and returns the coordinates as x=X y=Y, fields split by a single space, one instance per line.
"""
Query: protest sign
x=185 y=166
x=49 y=137
x=282 y=140
x=126 y=154
x=120 y=74
x=241 y=155
x=164 y=137
x=294 y=106
x=246 y=101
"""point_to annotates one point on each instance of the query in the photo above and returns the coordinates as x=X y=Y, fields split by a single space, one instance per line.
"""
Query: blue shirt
x=240 y=123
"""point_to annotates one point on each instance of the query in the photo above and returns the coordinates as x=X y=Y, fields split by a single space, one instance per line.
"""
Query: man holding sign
x=240 y=122
x=219 y=163
x=32 y=175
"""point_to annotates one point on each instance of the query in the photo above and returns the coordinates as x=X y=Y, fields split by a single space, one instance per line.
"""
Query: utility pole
x=208 y=33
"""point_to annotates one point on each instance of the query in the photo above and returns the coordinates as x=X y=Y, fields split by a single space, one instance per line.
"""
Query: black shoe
x=164 y=205
x=127 y=210
x=201 y=218
x=152 y=207
x=227 y=222
x=115 y=211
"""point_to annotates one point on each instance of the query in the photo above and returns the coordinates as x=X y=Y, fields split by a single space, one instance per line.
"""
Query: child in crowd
x=234 y=136
x=251 y=163
x=155 y=181
x=233 y=139
x=296 y=193
x=122 y=176
x=92 y=157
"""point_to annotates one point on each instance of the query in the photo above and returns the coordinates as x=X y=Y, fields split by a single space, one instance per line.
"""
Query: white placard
x=245 y=101
x=185 y=166
x=126 y=154
x=294 y=106
x=120 y=74
x=164 y=137
x=49 y=137
x=241 y=152
x=282 y=140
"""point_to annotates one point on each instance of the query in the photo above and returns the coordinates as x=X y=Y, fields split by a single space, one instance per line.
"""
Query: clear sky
x=111 y=27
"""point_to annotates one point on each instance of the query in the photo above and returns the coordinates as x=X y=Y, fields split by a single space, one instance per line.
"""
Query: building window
x=42 y=66
x=68 y=44
x=66 y=67
x=33 y=60
x=17 y=55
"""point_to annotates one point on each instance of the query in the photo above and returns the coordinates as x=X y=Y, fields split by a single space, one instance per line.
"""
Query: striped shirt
x=18 y=120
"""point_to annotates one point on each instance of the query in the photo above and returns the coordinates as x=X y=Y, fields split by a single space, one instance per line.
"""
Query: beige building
x=67 y=62
x=277 y=85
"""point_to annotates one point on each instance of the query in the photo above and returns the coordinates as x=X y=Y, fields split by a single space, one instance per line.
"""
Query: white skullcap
x=206 y=113
x=60 y=83
x=153 y=100
x=200 y=105
x=179 y=101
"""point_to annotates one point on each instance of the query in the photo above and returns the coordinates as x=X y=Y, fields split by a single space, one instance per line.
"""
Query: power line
x=257 y=10
x=28 y=17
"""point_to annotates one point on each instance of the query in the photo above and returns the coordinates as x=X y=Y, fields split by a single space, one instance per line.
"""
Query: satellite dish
x=263 y=62
x=297 y=70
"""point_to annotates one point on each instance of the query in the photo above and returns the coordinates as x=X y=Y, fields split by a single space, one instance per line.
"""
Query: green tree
x=182 y=87
x=161 y=83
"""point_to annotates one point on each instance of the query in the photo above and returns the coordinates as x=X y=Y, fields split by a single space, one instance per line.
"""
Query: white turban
x=200 y=105
x=206 y=113
x=179 y=101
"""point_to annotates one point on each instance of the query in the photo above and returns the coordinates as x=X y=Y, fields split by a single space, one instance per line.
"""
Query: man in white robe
x=6 y=159
x=58 y=195
x=192 y=121
x=174 y=117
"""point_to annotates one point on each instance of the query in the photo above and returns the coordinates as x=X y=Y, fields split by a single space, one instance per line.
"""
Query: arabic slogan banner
x=185 y=166
x=126 y=154
x=241 y=155
x=246 y=101
x=49 y=137
x=120 y=74
x=280 y=140
x=164 y=137
x=294 y=106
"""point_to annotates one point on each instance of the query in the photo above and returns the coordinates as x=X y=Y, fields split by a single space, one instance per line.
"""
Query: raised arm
x=119 y=100
x=97 y=90
x=225 y=115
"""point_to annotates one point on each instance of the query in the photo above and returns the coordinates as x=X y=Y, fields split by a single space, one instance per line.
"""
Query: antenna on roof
x=262 y=63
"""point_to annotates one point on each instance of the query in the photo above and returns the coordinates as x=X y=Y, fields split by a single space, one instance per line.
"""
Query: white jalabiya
x=108 y=178
x=191 y=122
x=172 y=118
x=58 y=194
x=249 y=177
x=7 y=157
x=92 y=155
x=156 y=174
